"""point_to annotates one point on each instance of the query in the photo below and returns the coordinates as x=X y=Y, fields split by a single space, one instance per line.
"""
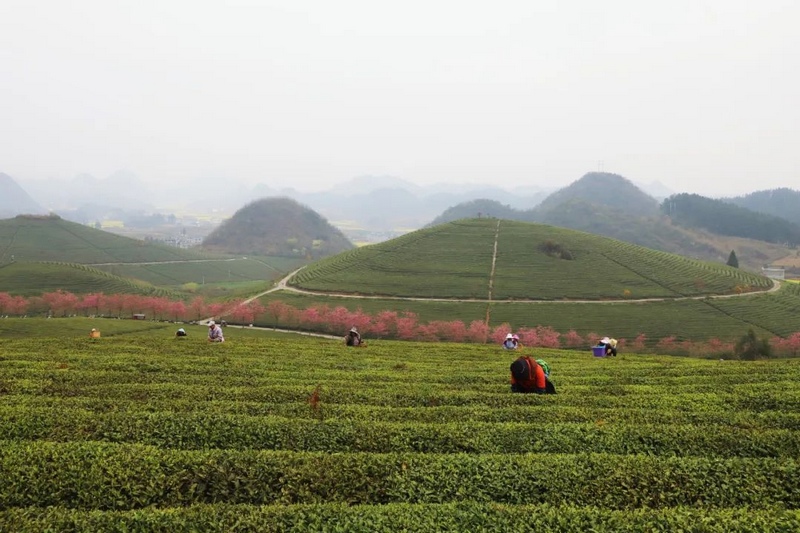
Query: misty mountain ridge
x=613 y=206
x=782 y=202
x=401 y=204
x=14 y=200
x=386 y=205
x=596 y=189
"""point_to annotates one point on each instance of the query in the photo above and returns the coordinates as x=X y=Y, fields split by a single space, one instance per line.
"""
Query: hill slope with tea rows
x=51 y=238
x=507 y=260
x=140 y=432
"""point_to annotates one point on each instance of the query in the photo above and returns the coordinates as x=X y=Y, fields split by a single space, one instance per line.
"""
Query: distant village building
x=774 y=272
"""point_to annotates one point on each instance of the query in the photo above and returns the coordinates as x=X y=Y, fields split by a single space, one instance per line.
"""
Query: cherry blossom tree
x=573 y=340
x=478 y=331
x=197 y=308
x=278 y=310
x=407 y=325
x=638 y=343
x=499 y=332
x=60 y=302
x=90 y=302
x=5 y=302
x=177 y=310
x=385 y=324
x=453 y=330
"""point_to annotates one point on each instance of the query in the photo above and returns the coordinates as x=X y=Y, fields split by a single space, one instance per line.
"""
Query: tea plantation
x=145 y=432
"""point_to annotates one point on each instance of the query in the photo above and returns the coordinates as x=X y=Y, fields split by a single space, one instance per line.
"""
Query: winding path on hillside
x=283 y=285
x=172 y=261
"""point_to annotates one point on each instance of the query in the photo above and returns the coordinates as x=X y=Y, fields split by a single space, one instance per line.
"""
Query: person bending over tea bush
x=353 y=338
x=528 y=375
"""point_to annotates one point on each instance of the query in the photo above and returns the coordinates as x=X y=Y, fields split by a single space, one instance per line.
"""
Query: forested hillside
x=695 y=211
x=783 y=202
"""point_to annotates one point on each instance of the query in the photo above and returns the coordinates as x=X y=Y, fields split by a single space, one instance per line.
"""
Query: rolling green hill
x=610 y=205
x=279 y=227
x=506 y=260
x=131 y=265
x=29 y=279
x=545 y=276
x=51 y=238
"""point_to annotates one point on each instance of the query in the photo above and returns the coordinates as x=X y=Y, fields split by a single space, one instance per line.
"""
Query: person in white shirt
x=215 y=332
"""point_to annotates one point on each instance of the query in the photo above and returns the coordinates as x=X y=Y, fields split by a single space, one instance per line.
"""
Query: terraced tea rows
x=531 y=261
x=774 y=313
x=269 y=434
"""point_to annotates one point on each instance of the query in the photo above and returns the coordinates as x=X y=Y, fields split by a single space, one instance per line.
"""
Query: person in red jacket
x=529 y=375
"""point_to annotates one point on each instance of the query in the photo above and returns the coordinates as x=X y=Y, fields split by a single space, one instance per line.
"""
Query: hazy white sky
x=700 y=95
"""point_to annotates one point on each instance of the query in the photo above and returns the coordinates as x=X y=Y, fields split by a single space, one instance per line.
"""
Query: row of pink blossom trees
x=406 y=326
x=64 y=303
x=337 y=320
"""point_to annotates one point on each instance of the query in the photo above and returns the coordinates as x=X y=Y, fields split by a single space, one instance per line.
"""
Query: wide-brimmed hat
x=509 y=336
x=605 y=340
x=211 y=322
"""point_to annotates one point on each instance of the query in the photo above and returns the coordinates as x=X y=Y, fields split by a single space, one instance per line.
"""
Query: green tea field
x=139 y=431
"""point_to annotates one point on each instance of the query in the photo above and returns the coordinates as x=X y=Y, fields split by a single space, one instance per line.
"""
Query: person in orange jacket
x=531 y=376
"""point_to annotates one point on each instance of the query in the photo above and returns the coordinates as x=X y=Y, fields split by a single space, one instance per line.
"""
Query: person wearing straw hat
x=180 y=333
x=215 y=332
x=511 y=342
x=609 y=344
x=353 y=338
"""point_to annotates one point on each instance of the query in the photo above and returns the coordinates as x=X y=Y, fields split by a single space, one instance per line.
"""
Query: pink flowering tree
x=177 y=310
x=12 y=305
x=667 y=344
x=572 y=339
x=499 y=332
x=278 y=311
x=540 y=336
x=478 y=331
x=5 y=302
x=789 y=345
x=407 y=325
x=60 y=302
x=427 y=332
x=19 y=305
x=638 y=343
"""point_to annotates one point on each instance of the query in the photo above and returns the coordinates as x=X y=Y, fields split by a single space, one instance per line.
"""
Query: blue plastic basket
x=599 y=351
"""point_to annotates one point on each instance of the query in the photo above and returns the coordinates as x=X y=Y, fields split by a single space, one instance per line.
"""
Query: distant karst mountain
x=277 y=226
x=595 y=196
x=481 y=208
x=603 y=189
x=15 y=201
